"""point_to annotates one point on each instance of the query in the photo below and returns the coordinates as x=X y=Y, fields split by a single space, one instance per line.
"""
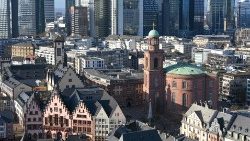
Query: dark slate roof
x=22 y=97
x=241 y=125
x=11 y=82
x=99 y=99
x=29 y=71
x=29 y=82
x=59 y=39
x=205 y=114
x=135 y=131
x=7 y=116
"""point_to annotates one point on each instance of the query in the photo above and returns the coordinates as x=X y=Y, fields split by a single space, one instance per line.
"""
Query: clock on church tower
x=154 y=84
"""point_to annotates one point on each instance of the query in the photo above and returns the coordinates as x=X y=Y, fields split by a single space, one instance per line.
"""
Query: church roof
x=184 y=69
x=153 y=33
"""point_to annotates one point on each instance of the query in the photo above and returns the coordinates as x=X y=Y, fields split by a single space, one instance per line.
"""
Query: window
x=155 y=63
x=34 y=119
x=58 y=50
x=70 y=80
x=184 y=100
x=36 y=112
x=173 y=97
x=174 y=84
x=184 y=84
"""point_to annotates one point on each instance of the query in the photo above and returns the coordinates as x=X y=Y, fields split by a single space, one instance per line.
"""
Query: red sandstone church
x=176 y=87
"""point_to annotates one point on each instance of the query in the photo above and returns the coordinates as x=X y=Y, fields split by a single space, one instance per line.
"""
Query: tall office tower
x=5 y=19
x=150 y=14
x=102 y=18
x=90 y=8
x=68 y=5
x=132 y=18
x=243 y=14
x=14 y=20
x=217 y=16
x=40 y=17
x=49 y=10
x=199 y=16
x=27 y=17
x=229 y=15
x=114 y=15
x=191 y=17
x=171 y=15
x=79 y=20
x=31 y=17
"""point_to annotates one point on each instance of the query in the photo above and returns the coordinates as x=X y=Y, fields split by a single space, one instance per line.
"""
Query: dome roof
x=153 y=33
x=184 y=69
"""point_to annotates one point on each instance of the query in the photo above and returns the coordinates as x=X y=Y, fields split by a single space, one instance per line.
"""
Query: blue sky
x=59 y=3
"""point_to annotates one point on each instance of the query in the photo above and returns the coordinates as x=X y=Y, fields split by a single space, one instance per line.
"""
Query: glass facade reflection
x=5 y=22
x=27 y=17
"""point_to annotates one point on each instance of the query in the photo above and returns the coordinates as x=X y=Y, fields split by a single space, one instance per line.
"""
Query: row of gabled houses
x=75 y=111
x=62 y=107
x=204 y=124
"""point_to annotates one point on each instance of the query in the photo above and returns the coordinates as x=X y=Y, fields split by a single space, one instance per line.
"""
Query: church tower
x=153 y=73
x=59 y=50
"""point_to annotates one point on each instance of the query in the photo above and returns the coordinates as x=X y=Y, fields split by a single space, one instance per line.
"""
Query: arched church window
x=173 y=97
x=184 y=99
x=155 y=63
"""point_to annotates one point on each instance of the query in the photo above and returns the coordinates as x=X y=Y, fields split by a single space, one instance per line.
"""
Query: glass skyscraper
x=217 y=16
x=243 y=14
x=68 y=5
x=171 y=17
x=150 y=15
x=191 y=17
x=49 y=10
x=27 y=17
x=5 y=19
x=102 y=18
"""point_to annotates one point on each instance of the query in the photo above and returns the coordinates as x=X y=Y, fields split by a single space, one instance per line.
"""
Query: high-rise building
x=114 y=15
x=229 y=14
x=191 y=17
x=27 y=17
x=31 y=17
x=5 y=16
x=127 y=17
x=68 y=4
x=90 y=8
x=79 y=20
x=102 y=18
x=243 y=14
x=217 y=16
x=150 y=14
x=14 y=20
x=171 y=17
x=40 y=17
x=49 y=10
